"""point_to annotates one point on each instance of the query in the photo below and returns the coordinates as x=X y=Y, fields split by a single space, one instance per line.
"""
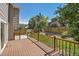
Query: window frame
x=4 y=23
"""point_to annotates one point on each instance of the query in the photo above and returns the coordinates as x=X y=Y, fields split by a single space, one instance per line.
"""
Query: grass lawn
x=50 y=42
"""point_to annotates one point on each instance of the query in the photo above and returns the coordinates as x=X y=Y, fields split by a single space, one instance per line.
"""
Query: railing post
x=57 y=44
x=51 y=40
x=31 y=34
x=38 y=35
x=54 y=43
x=27 y=35
x=14 y=34
x=19 y=35
x=48 y=41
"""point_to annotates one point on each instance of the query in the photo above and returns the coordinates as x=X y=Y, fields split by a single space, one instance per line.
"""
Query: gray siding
x=13 y=20
x=9 y=14
x=4 y=17
x=0 y=36
x=11 y=29
x=16 y=18
x=4 y=11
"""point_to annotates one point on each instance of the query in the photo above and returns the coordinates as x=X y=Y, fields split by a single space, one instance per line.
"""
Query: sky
x=28 y=10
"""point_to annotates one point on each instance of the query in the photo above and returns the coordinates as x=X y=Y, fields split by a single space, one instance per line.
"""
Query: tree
x=38 y=23
x=70 y=13
x=31 y=23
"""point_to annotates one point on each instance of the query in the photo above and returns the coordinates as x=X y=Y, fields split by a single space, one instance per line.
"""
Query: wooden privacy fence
x=19 y=32
x=56 y=29
x=66 y=47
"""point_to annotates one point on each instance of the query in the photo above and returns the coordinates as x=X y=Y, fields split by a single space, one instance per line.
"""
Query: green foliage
x=38 y=22
x=70 y=13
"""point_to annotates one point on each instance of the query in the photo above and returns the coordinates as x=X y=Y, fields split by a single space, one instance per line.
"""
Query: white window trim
x=1 y=20
x=1 y=50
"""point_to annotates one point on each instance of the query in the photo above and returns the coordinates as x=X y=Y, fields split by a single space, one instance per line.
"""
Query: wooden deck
x=22 y=48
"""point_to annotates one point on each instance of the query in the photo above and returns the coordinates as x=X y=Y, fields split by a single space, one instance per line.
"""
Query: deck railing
x=66 y=47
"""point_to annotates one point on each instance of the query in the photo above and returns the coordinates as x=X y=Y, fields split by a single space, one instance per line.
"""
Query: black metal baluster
x=59 y=46
x=51 y=42
x=69 y=48
x=62 y=48
x=65 y=48
x=74 y=50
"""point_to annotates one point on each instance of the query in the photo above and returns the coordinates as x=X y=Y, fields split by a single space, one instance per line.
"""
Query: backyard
x=65 y=24
x=67 y=47
x=57 y=31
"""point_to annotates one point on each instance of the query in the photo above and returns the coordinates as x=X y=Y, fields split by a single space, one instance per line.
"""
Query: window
x=2 y=35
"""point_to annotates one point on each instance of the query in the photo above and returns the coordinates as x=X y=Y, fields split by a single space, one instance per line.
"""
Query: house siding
x=10 y=17
x=4 y=11
x=4 y=19
x=16 y=18
x=13 y=20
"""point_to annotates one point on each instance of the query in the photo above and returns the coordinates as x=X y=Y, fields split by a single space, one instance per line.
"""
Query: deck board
x=22 y=48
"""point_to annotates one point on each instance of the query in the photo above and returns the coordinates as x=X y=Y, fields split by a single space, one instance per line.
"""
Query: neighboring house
x=55 y=23
x=9 y=19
